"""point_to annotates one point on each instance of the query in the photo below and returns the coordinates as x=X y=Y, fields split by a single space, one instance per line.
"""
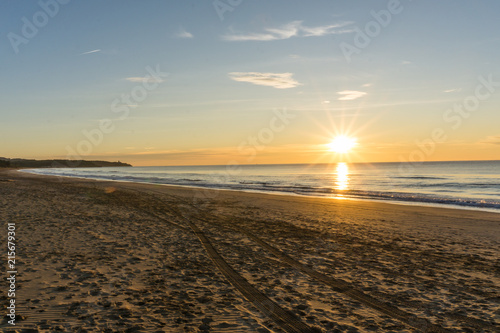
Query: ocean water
x=469 y=184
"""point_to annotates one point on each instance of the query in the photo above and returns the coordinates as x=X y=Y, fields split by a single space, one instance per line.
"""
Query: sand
x=95 y=256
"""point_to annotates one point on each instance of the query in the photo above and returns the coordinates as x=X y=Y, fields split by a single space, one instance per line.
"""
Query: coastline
x=397 y=201
x=98 y=253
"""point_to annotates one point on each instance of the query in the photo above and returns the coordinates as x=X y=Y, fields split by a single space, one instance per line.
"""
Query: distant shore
x=104 y=255
x=57 y=163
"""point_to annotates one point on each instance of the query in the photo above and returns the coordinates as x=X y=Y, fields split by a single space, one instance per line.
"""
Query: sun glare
x=342 y=144
x=342 y=181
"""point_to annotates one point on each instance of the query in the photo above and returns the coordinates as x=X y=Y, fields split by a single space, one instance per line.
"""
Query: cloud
x=292 y=29
x=452 y=90
x=89 y=52
x=276 y=80
x=349 y=95
x=406 y=62
x=219 y=155
x=182 y=33
x=148 y=79
x=494 y=140
x=325 y=30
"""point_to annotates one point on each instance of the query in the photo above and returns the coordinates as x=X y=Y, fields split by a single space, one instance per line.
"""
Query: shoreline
x=339 y=197
x=121 y=255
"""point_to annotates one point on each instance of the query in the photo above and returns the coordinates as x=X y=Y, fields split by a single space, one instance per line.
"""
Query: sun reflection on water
x=342 y=173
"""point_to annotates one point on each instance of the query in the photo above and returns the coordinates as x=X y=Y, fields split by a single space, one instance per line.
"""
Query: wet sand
x=122 y=257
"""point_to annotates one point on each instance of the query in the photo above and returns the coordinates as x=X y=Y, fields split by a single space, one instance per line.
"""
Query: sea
x=463 y=184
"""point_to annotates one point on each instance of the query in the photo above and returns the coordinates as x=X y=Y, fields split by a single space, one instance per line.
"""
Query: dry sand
x=121 y=257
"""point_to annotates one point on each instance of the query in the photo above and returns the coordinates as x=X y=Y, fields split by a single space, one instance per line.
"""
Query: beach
x=128 y=257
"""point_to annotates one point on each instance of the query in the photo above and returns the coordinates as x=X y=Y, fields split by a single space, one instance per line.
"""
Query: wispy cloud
x=452 y=90
x=292 y=29
x=313 y=107
x=89 y=52
x=325 y=30
x=276 y=80
x=148 y=79
x=182 y=33
x=349 y=95
x=495 y=140
x=201 y=156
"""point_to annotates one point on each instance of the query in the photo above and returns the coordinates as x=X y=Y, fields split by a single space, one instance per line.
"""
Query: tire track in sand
x=285 y=319
x=337 y=285
x=345 y=288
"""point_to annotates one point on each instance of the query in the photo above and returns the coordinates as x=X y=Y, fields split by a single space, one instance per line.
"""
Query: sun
x=342 y=144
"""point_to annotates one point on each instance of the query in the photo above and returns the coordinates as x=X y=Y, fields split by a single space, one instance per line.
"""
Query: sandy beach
x=97 y=256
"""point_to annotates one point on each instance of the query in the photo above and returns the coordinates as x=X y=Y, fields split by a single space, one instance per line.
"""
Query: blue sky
x=227 y=76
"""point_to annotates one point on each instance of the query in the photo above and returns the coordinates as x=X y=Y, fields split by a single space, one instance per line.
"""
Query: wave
x=457 y=185
x=420 y=177
x=443 y=193
x=376 y=195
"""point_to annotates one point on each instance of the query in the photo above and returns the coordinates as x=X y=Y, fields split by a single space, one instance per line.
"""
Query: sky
x=243 y=82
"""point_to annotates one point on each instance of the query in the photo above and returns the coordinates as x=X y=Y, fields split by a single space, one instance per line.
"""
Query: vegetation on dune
x=27 y=163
